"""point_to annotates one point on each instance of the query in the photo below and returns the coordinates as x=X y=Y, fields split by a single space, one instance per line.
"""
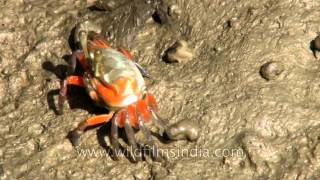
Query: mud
x=274 y=123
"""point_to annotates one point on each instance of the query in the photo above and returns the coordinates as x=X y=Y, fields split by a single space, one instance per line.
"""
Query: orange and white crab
x=113 y=80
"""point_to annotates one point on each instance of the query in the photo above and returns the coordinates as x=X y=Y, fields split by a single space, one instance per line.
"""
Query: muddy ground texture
x=270 y=113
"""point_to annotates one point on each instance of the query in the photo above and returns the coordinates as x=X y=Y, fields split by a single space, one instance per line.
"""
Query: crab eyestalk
x=83 y=42
x=96 y=62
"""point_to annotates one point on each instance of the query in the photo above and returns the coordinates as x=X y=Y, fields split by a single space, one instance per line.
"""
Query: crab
x=115 y=81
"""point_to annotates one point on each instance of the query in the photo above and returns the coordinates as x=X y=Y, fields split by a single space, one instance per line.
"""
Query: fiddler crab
x=114 y=81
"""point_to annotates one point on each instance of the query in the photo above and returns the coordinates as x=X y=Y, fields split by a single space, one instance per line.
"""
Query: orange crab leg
x=70 y=80
x=78 y=81
x=99 y=119
x=132 y=115
x=75 y=134
x=126 y=53
x=120 y=119
x=102 y=43
x=143 y=110
x=75 y=80
x=97 y=43
x=83 y=63
x=151 y=101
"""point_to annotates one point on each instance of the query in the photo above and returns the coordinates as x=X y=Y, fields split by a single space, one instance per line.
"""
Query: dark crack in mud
x=272 y=125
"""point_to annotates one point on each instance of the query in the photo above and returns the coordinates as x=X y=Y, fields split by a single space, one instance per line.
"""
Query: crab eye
x=97 y=62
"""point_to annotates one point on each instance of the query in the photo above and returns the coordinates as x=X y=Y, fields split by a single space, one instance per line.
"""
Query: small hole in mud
x=229 y=24
x=96 y=8
x=156 y=18
x=48 y=80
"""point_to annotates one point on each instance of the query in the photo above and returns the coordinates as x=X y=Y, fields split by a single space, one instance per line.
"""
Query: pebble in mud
x=158 y=172
x=29 y=147
x=183 y=130
x=106 y=5
x=4 y=128
x=179 y=52
x=35 y=129
x=271 y=70
x=174 y=10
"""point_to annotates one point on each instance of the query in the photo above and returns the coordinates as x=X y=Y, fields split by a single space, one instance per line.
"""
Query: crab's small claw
x=126 y=53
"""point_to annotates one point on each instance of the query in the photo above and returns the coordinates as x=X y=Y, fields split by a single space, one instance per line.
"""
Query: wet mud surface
x=243 y=71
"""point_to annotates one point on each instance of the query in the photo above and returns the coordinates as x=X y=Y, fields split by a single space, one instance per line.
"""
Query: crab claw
x=183 y=130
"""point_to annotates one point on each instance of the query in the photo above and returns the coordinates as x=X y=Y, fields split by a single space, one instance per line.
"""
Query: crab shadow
x=312 y=47
x=77 y=96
